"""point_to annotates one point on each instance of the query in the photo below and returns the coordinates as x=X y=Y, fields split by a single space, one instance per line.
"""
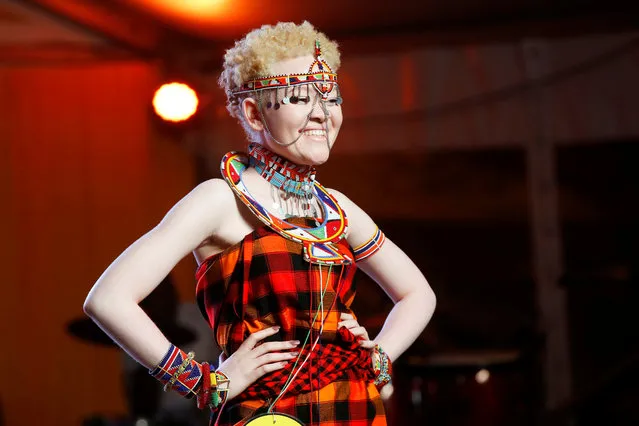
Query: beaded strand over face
x=319 y=76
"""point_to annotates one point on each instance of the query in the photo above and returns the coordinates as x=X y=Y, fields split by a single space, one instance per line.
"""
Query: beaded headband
x=319 y=74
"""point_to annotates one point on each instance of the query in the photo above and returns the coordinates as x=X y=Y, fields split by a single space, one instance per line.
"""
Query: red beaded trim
x=319 y=74
x=204 y=394
x=274 y=165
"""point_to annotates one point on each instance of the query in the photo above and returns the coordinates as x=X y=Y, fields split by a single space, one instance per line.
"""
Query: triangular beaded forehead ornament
x=319 y=74
x=320 y=66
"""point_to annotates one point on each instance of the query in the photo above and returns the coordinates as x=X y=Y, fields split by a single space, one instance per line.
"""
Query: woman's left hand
x=348 y=321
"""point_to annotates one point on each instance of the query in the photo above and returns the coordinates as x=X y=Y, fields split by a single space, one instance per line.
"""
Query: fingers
x=273 y=361
x=366 y=344
x=360 y=333
x=256 y=337
x=348 y=323
x=275 y=346
x=268 y=368
x=275 y=357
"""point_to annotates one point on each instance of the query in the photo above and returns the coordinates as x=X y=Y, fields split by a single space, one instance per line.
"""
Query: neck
x=280 y=172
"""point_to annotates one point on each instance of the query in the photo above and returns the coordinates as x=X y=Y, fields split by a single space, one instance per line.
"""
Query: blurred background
x=494 y=141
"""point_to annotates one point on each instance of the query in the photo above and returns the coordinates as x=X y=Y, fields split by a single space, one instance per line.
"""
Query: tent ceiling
x=229 y=19
x=21 y=25
x=150 y=27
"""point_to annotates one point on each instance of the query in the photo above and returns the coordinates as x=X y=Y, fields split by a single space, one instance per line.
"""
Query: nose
x=320 y=112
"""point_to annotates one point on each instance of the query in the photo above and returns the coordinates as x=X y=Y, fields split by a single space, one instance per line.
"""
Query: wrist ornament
x=178 y=371
x=219 y=389
x=213 y=392
x=382 y=367
x=204 y=393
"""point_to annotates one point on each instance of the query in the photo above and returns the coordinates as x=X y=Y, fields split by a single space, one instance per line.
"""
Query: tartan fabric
x=340 y=403
x=327 y=363
x=264 y=281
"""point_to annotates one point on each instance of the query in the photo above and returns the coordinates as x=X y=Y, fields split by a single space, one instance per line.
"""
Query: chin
x=318 y=162
x=316 y=158
x=310 y=153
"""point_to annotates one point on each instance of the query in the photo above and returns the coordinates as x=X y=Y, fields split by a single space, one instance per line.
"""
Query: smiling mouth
x=314 y=133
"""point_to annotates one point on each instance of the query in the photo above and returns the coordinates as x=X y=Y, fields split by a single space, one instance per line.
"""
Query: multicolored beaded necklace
x=281 y=173
x=319 y=242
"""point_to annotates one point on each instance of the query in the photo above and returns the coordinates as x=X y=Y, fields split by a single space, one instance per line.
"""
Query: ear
x=252 y=114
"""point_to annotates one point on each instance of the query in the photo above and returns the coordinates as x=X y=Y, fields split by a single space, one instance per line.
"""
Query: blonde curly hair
x=252 y=56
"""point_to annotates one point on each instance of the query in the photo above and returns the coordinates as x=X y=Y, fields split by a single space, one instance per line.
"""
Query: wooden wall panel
x=82 y=175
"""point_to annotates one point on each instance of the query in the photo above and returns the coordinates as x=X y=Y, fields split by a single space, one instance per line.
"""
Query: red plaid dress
x=264 y=281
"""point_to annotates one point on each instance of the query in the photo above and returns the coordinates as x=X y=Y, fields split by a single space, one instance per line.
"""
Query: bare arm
x=113 y=300
x=399 y=277
x=407 y=287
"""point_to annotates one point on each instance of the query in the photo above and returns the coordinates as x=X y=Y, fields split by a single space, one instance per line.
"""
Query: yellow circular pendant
x=270 y=419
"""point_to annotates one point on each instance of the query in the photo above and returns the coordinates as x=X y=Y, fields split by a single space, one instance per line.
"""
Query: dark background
x=438 y=153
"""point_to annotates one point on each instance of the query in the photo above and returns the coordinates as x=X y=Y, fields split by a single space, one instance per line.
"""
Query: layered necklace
x=291 y=184
x=321 y=246
x=319 y=242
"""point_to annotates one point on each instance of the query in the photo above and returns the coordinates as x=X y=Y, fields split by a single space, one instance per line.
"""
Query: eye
x=300 y=99
x=335 y=101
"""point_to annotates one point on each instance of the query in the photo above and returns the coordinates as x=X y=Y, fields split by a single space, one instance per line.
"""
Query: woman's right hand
x=253 y=360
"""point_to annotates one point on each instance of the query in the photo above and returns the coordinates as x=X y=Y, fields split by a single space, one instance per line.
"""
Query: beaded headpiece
x=319 y=74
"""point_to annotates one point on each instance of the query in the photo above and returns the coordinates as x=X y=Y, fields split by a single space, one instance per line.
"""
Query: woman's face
x=308 y=120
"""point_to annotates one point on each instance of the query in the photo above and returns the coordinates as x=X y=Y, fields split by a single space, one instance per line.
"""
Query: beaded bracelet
x=215 y=396
x=382 y=367
x=220 y=389
x=222 y=381
x=204 y=393
x=178 y=371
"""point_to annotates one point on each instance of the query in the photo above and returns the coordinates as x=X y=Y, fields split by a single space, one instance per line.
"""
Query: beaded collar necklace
x=282 y=174
x=321 y=242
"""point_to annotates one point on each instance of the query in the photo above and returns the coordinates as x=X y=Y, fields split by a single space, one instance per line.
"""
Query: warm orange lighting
x=175 y=102
x=482 y=376
x=216 y=19
x=192 y=8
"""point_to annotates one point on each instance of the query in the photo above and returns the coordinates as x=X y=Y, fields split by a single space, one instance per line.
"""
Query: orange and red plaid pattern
x=264 y=281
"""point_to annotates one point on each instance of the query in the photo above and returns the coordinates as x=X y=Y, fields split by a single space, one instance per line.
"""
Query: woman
x=276 y=254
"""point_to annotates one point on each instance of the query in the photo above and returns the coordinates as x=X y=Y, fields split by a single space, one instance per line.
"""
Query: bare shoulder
x=214 y=191
x=203 y=207
x=341 y=198
x=353 y=211
x=360 y=225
